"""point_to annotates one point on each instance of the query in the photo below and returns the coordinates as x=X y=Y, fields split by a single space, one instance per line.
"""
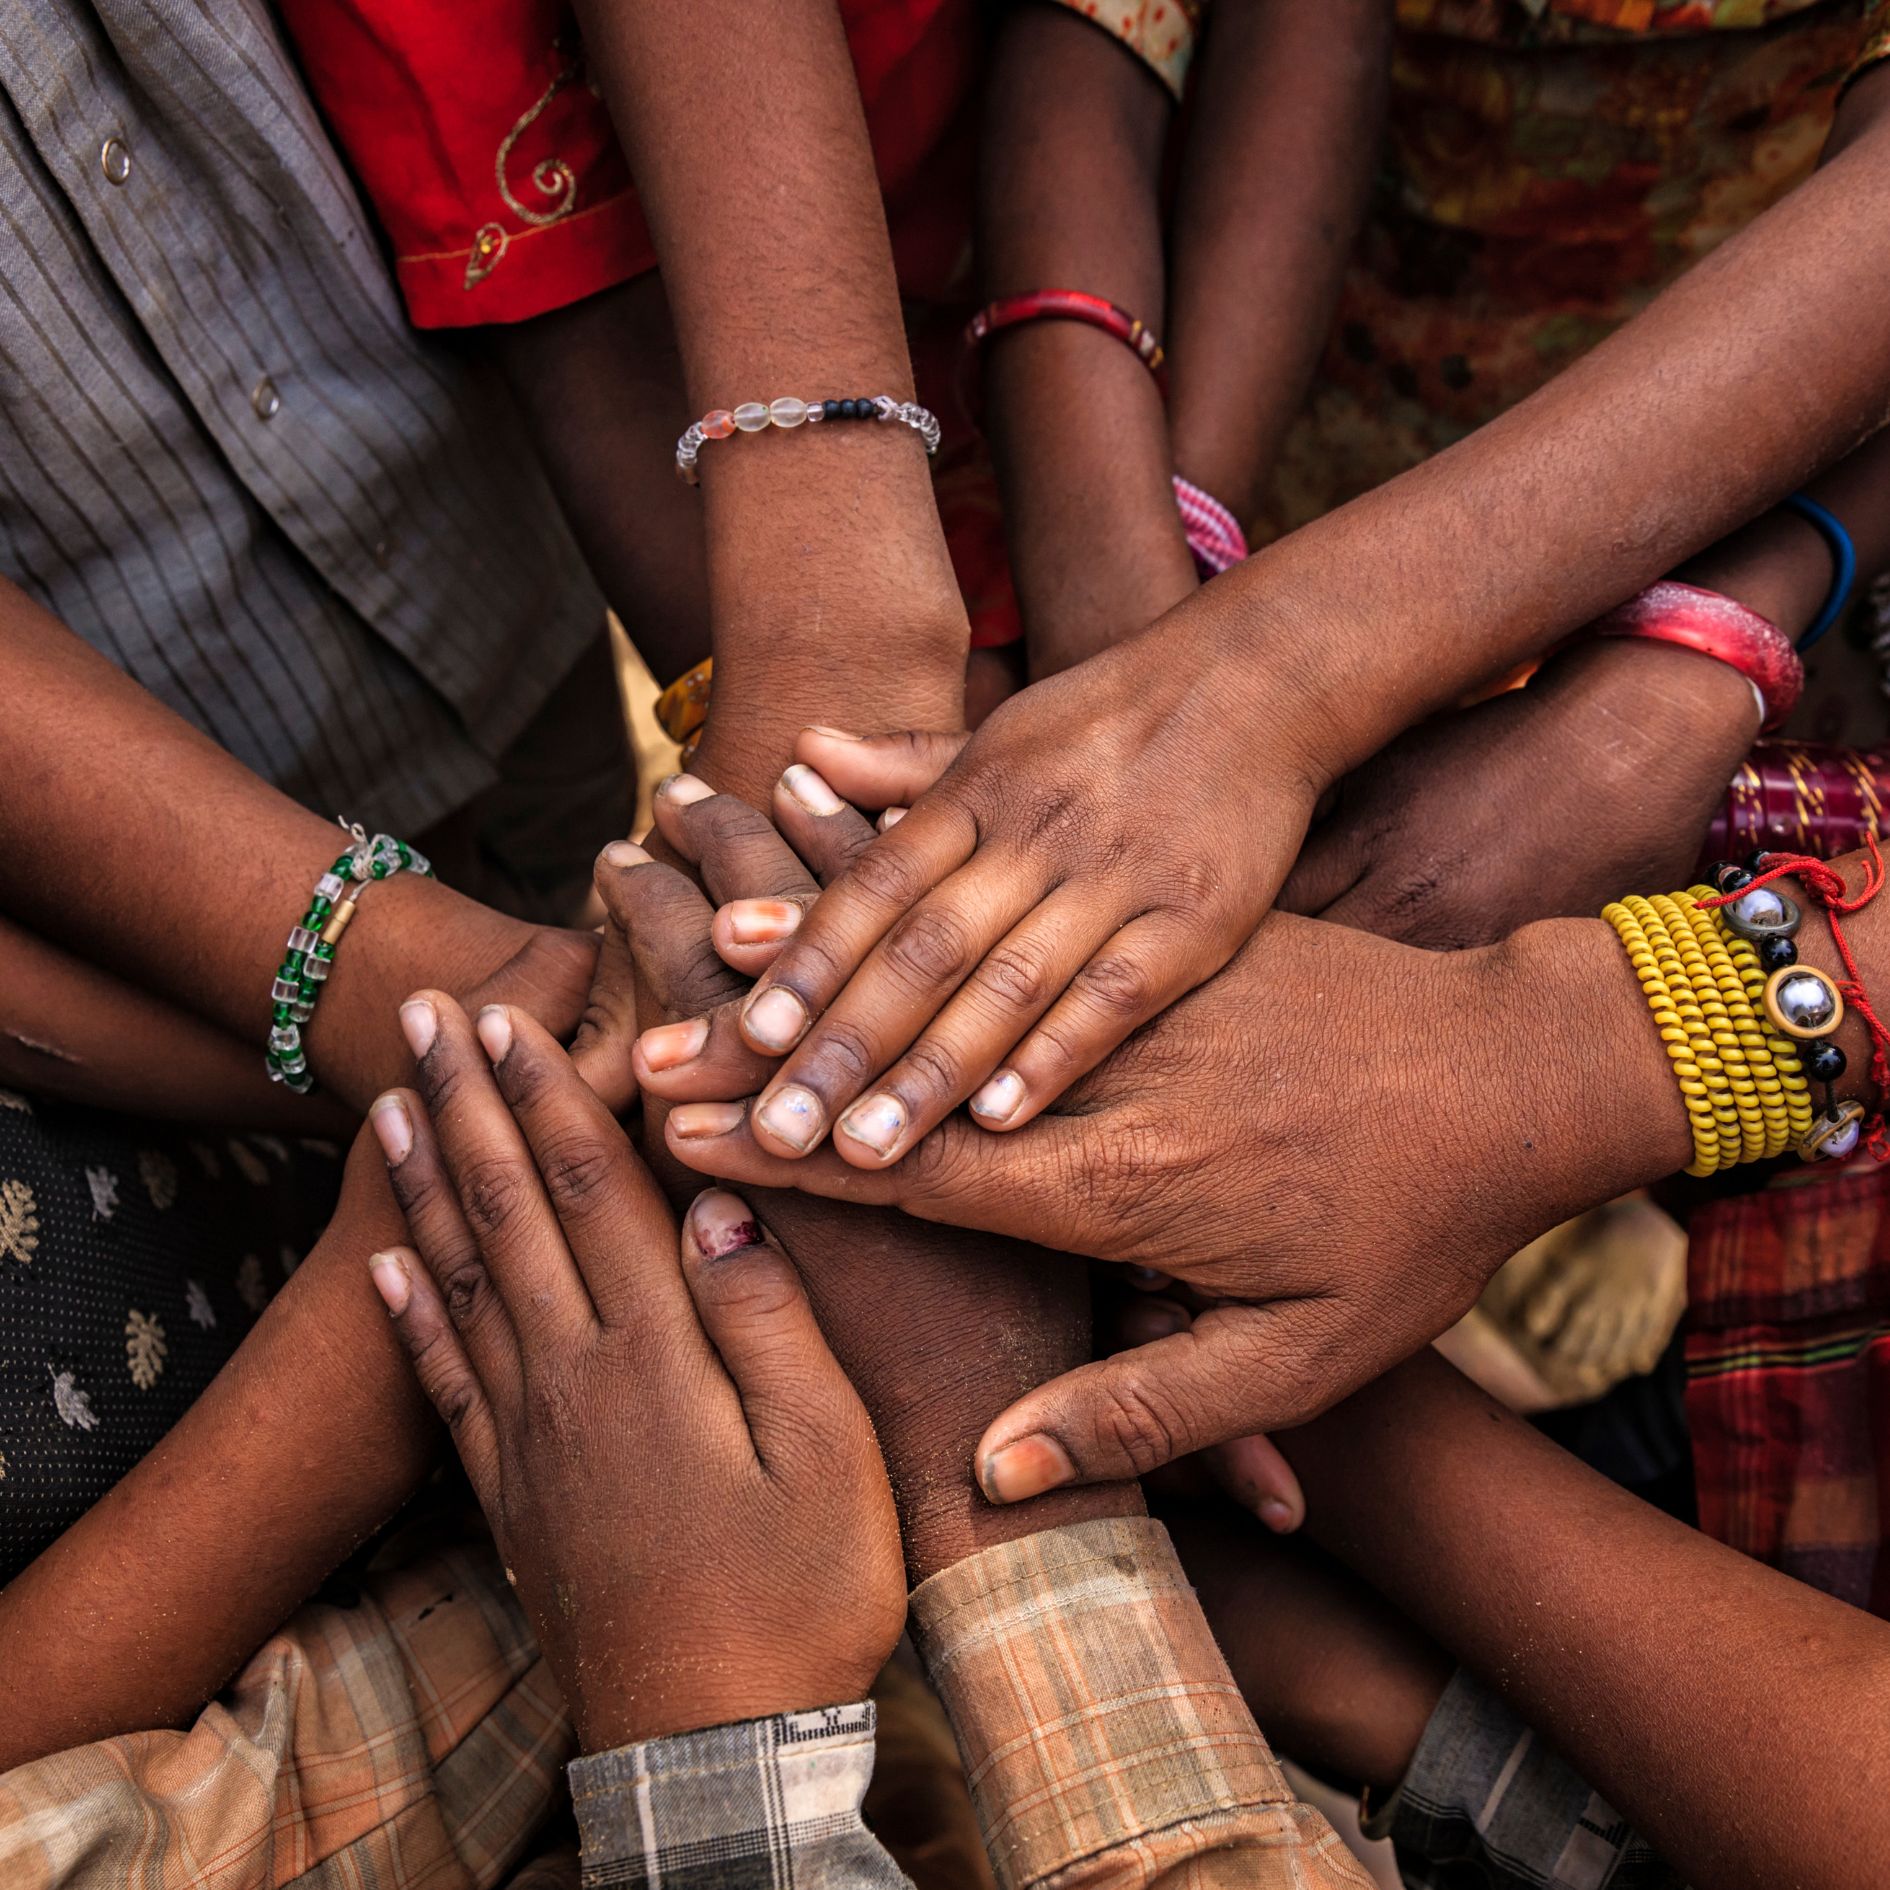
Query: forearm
x=1282 y=140
x=1759 y=367
x=744 y=130
x=1069 y=199
x=1701 y=1693
x=305 y=1443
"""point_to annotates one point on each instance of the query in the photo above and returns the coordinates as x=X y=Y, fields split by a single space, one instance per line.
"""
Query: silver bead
x=1805 y=1001
x=1763 y=913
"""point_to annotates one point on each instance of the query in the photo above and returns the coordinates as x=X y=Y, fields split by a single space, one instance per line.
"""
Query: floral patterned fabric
x=1550 y=166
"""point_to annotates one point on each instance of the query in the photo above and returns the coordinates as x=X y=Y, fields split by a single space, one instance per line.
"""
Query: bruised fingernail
x=494 y=1026
x=878 y=1121
x=890 y=818
x=419 y=1023
x=388 y=1271
x=684 y=789
x=761 y=921
x=393 y=1127
x=624 y=853
x=1000 y=1099
x=812 y=792
x=838 y=734
x=793 y=1115
x=691 y=1122
x=1024 y=1469
x=722 y=1223
x=667 y=1045
x=775 y=1018
x=1277 y=1514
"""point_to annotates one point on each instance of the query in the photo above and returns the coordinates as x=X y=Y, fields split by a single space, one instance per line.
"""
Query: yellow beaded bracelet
x=1742 y=1081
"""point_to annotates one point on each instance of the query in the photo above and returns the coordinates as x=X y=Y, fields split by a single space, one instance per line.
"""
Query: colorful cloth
x=1104 y=1737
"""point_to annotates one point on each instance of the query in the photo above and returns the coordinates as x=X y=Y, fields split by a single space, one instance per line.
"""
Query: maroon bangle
x=1696 y=619
x=1071 y=305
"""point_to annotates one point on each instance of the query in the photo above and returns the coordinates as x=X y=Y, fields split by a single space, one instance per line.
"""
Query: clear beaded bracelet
x=756 y=416
x=305 y=967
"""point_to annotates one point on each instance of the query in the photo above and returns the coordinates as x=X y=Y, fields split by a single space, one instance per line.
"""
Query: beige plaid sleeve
x=412 y=1737
x=1104 y=1738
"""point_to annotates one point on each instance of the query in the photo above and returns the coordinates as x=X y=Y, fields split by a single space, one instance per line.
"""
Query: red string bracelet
x=1824 y=885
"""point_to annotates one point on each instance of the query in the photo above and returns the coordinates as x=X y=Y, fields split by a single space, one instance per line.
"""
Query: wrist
x=1778 y=565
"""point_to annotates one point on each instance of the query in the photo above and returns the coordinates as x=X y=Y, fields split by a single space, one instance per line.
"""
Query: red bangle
x=1071 y=305
x=1696 y=619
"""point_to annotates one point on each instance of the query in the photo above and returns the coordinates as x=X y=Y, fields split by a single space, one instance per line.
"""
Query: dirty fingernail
x=722 y=1223
x=419 y=1023
x=691 y=1122
x=683 y=789
x=1000 y=1099
x=775 y=1018
x=761 y=921
x=878 y=1121
x=812 y=792
x=1026 y=1468
x=388 y=1271
x=494 y=1028
x=667 y=1045
x=624 y=853
x=392 y=1127
x=793 y=1115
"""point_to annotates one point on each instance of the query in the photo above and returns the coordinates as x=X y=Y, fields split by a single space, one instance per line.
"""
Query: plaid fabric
x=1788 y=1378
x=410 y=1740
x=1486 y=1805
x=758 y=1805
x=1105 y=1739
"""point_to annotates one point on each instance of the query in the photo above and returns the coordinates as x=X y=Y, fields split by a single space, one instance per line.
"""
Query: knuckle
x=846 y=1053
x=930 y=945
x=728 y=821
x=1050 y=815
x=1016 y=977
x=527 y=1076
x=1118 y=984
x=1140 y=1422
x=491 y=1191
x=555 y=1410
x=886 y=874
x=575 y=1167
x=932 y=1068
x=756 y=1287
x=465 y=1289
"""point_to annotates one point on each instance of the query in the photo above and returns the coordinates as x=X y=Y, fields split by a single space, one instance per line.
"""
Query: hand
x=1340 y=1137
x=1598 y=778
x=1039 y=904
x=681 y=1480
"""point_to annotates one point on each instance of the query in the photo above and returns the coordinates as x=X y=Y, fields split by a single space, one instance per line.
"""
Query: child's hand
x=681 y=1480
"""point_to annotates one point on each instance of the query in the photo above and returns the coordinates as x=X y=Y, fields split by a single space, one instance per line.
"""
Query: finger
x=700 y=1059
x=615 y=1225
x=1252 y=1471
x=664 y=921
x=501 y=1195
x=451 y=1255
x=879 y=770
x=1015 y=981
x=601 y=1048
x=1136 y=975
x=827 y=833
x=899 y=991
x=440 y=1363
x=1236 y=1370
x=736 y=846
x=752 y=1304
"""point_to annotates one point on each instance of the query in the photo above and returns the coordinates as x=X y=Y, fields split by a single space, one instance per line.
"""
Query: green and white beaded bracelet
x=311 y=954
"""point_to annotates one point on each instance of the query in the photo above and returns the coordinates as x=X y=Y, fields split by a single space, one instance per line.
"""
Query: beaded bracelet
x=304 y=969
x=755 y=416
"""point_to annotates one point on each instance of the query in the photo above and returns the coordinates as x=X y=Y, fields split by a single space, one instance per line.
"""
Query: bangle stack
x=311 y=953
x=756 y=416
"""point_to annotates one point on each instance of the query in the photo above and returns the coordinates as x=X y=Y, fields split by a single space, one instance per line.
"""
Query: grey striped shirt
x=225 y=459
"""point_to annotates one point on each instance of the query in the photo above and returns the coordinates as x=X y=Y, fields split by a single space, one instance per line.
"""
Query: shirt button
x=114 y=159
x=265 y=399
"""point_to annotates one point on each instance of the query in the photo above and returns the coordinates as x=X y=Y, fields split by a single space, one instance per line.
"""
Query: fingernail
x=722 y=1223
x=775 y=1018
x=1277 y=1514
x=1000 y=1099
x=761 y=921
x=667 y=1045
x=683 y=789
x=418 y=1024
x=811 y=791
x=1026 y=1468
x=1148 y=1278
x=891 y=818
x=838 y=734
x=393 y=1128
x=389 y=1274
x=690 y=1122
x=494 y=1028
x=793 y=1115
x=622 y=853
x=1159 y=1320
x=879 y=1122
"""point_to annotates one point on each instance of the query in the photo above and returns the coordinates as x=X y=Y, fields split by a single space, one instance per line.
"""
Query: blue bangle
x=1843 y=563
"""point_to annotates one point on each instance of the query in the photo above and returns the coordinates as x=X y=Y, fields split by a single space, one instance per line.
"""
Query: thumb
x=1330 y=864
x=1130 y=1414
x=879 y=770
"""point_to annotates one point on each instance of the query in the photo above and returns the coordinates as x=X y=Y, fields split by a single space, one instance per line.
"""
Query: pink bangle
x=1214 y=534
x=1702 y=620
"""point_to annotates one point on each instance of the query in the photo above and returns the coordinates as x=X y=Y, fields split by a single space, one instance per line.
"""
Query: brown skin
x=668 y=1453
x=1762 y=365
